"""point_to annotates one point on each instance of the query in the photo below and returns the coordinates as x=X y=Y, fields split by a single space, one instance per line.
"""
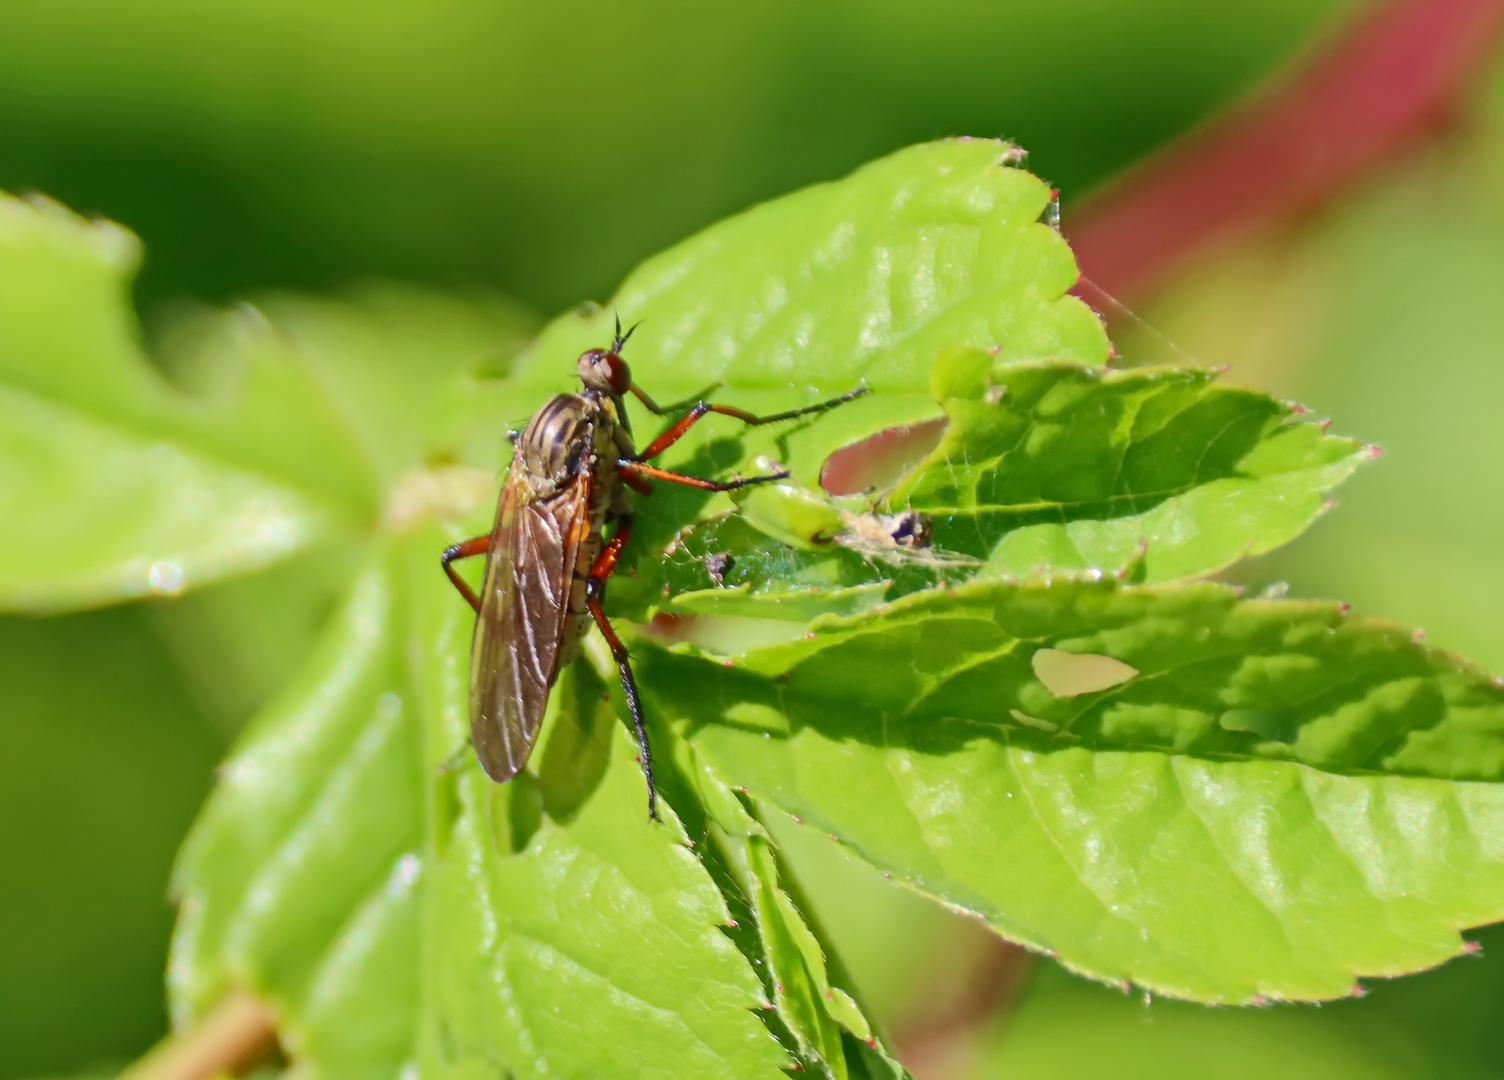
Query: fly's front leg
x=675 y=431
x=636 y=470
x=476 y=545
x=595 y=594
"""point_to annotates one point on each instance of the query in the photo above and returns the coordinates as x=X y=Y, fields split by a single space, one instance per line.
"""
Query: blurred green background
x=540 y=151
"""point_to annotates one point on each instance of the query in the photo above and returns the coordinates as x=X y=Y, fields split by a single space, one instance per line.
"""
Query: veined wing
x=524 y=604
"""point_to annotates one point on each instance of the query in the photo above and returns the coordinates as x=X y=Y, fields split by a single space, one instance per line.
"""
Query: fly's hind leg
x=595 y=594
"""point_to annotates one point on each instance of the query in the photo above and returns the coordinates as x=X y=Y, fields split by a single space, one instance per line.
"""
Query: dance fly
x=547 y=558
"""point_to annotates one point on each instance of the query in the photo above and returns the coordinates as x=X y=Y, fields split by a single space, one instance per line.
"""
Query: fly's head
x=605 y=372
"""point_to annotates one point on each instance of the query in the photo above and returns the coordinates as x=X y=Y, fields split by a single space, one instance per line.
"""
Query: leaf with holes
x=805 y=297
x=1160 y=474
x=1049 y=466
x=1214 y=798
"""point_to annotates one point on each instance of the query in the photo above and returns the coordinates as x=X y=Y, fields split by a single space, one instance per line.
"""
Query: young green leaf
x=1049 y=466
x=805 y=297
x=1266 y=799
x=1045 y=466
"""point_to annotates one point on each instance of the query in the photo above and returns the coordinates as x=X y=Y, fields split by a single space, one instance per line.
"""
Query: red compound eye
x=616 y=372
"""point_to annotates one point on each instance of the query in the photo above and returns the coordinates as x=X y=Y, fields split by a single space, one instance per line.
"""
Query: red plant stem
x=1386 y=82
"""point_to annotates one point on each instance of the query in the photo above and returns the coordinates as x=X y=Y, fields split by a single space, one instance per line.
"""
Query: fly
x=547 y=559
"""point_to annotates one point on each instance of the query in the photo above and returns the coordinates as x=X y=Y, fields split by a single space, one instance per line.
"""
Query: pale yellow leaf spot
x=1072 y=674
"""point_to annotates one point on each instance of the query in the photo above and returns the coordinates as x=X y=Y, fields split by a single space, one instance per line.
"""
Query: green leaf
x=189 y=490
x=415 y=377
x=830 y=1029
x=1045 y=465
x=1153 y=831
x=1057 y=466
x=129 y=486
x=566 y=933
x=865 y=278
x=585 y=941
x=298 y=881
x=237 y=642
x=1215 y=798
x=804 y=297
x=396 y=911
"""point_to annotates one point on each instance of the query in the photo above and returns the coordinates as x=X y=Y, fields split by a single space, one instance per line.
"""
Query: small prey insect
x=547 y=559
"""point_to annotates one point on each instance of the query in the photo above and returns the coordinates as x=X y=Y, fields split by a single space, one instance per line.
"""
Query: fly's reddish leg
x=675 y=431
x=476 y=545
x=595 y=593
x=636 y=483
x=636 y=469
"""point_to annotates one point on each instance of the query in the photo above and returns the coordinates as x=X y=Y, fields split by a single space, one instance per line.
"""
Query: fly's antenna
x=621 y=339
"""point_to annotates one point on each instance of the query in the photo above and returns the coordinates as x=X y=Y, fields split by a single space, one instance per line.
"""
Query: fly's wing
x=524 y=604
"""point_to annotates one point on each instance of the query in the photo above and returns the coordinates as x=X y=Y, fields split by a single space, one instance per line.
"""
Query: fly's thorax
x=605 y=480
x=559 y=440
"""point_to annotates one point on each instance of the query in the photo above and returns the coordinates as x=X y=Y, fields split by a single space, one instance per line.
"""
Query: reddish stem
x=1391 y=79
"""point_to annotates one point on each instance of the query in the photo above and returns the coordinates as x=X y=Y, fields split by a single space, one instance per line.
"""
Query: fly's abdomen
x=578 y=619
